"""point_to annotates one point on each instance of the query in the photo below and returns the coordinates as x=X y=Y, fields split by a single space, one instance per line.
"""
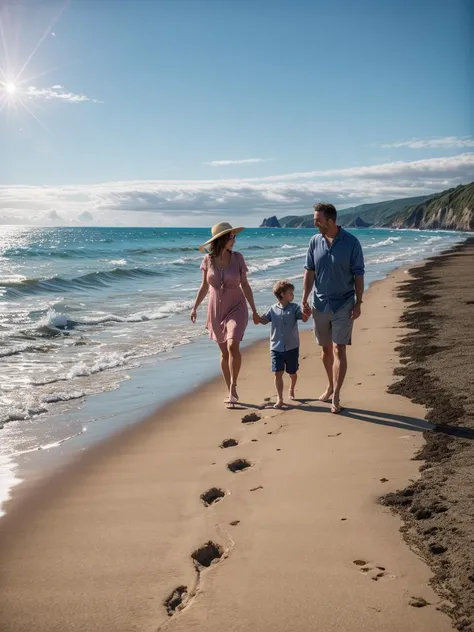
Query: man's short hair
x=281 y=287
x=329 y=210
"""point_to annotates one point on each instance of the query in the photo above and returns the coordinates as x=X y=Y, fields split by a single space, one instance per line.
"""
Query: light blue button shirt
x=284 y=334
x=335 y=267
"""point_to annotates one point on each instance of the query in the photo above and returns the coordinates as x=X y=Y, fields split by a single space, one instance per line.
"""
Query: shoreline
x=37 y=476
x=52 y=440
x=112 y=537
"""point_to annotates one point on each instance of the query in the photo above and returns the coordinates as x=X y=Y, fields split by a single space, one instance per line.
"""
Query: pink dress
x=227 y=313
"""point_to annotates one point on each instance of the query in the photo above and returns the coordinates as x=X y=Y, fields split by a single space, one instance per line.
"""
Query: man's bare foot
x=291 y=394
x=326 y=396
x=336 y=405
x=279 y=404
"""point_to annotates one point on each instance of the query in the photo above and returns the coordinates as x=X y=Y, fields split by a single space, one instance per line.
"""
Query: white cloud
x=199 y=202
x=53 y=216
x=85 y=216
x=450 y=165
x=447 y=142
x=226 y=163
x=56 y=92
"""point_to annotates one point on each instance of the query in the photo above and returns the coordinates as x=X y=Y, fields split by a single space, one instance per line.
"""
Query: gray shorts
x=334 y=327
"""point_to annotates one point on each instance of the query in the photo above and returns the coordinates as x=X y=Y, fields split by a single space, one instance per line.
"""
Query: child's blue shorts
x=286 y=360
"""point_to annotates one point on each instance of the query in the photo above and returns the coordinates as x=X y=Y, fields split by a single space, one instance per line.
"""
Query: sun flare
x=10 y=88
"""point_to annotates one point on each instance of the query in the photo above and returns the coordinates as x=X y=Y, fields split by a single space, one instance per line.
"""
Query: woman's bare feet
x=326 y=396
x=336 y=404
x=279 y=404
x=233 y=395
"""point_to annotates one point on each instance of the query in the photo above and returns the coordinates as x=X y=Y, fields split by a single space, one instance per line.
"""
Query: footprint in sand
x=251 y=418
x=374 y=571
x=239 y=465
x=177 y=600
x=205 y=556
x=229 y=443
x=208 y=554
x=212 y=496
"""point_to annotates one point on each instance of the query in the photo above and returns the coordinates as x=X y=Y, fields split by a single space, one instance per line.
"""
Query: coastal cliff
x=452 y=209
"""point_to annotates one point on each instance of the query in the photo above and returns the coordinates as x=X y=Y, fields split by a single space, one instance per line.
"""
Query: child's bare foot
x=279 y=404
x=326 y=396
x=291 y=393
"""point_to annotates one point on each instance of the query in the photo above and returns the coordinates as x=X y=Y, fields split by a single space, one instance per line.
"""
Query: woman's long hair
x=217 y=246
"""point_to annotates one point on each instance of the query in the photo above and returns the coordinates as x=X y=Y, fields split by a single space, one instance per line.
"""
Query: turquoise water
x=82 y=308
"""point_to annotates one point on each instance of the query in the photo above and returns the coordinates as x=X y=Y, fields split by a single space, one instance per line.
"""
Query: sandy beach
x=122 y=540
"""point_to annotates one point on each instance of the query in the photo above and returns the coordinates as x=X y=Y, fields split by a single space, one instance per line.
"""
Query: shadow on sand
x=413 y=424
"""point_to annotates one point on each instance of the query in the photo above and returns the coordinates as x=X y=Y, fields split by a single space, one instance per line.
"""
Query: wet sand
x=439 y=373
x=280 y=529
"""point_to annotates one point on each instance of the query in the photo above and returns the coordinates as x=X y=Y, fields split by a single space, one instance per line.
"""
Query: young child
x=284 y=339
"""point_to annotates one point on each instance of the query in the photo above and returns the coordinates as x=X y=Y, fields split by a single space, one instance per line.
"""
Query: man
x=335 y=268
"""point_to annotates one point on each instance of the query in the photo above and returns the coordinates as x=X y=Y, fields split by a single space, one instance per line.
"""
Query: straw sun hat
x=218 y=230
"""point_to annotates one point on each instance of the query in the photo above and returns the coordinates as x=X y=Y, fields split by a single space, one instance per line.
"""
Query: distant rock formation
x=271 y=222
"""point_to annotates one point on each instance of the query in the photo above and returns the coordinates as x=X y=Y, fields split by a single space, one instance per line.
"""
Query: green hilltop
x=451 y=210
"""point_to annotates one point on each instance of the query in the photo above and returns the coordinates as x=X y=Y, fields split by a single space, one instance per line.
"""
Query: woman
x=224 y=273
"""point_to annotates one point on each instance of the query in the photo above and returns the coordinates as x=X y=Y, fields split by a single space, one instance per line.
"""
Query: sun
x=9 y=88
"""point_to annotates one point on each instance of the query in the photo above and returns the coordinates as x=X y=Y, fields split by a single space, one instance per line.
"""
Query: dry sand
x=304 y=543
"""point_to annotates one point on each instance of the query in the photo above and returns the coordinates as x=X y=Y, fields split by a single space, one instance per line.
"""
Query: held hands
x=256 y=318
x=193 y=314
x=305 y=308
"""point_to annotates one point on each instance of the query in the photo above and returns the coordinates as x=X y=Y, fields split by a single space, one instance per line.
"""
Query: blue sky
x=189 y=111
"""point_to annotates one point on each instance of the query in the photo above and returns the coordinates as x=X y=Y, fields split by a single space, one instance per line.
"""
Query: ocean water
x=82 y=308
